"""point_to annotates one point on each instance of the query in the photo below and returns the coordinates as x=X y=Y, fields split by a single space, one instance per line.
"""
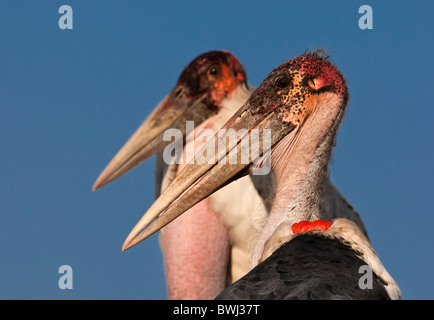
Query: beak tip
x=125 y=247
x=100 y=182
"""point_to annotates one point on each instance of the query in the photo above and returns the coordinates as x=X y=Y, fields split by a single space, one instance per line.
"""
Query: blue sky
x=69 y=99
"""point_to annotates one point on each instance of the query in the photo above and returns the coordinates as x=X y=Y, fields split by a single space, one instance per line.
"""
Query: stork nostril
x=178 y=93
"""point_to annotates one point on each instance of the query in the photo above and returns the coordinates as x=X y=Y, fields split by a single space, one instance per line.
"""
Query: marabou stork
x=303 y=103
x=210 y=246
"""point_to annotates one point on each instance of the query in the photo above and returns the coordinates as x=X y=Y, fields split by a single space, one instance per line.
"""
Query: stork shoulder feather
x=347 y=232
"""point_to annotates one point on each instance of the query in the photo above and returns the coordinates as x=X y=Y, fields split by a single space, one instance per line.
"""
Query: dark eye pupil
x=213 y=70
x=283 y=83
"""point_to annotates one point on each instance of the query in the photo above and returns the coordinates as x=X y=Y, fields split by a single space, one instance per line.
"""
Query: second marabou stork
x=208 y=92
x=302 y=251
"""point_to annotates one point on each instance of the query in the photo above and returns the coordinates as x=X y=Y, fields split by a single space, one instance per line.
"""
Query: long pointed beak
x=173 y=112
x=236 y=151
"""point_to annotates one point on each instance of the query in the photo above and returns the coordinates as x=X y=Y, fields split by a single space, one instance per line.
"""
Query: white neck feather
x=231 y=104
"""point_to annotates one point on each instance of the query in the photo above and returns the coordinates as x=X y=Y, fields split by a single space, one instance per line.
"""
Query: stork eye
x=283 y=83
x=214 y=70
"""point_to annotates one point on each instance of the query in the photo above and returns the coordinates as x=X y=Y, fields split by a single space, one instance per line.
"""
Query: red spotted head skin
x=216 y=74
x=293 y=88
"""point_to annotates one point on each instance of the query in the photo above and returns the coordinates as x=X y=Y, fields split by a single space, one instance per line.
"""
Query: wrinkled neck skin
x=196 y=247
x=300 y=164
